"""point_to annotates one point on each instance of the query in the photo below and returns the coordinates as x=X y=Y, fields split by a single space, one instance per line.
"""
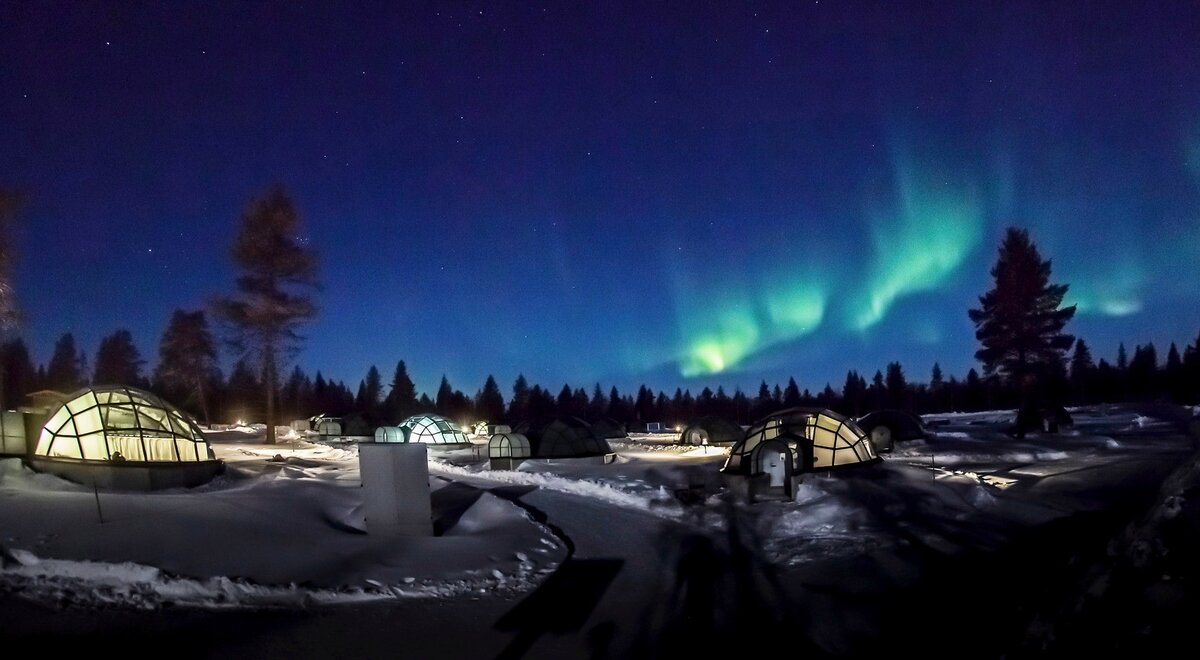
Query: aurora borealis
x=701 y=196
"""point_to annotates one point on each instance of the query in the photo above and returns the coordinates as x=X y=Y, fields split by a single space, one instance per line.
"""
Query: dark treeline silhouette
x=187 y=375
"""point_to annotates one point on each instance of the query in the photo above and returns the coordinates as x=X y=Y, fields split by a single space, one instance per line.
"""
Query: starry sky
x=691 y=194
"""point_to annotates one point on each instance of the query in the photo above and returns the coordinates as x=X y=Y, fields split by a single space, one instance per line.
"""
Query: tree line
x=187 y=374
x=1019 y=324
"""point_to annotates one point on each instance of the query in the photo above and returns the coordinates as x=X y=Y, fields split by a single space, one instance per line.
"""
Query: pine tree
x=897 y=386
x=598 y=405
x=10 y=203
x=1081 y=361
x=1143 y=372
x=372 y=394
x=791 y=395
x=66 y=369
x=518 y=408
x=877 y=392
x=243 y=390
x=936 y=379
x=1174 y=382
x=444 y=399
x=401 y=400
x=275 y=285
x=17 y=373
x=1019 y=322
x=1082 y=371
x=490 y=402
x=118 y=361
x=187 y=359
x=852 y=393
x=298 y=394
x=564 y=400
x=937 y=390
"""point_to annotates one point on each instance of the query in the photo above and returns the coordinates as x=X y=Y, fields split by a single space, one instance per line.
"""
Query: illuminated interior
x=832 y=440
x=434 y=430
x=121 y=424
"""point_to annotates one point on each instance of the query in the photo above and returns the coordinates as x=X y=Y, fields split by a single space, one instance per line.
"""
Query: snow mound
x=67 y=583
x=657 y=501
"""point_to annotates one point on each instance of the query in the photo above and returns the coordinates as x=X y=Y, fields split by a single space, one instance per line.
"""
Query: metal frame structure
x=509 y=445
x=121 y=425
x=434 y=430
x=820 y=439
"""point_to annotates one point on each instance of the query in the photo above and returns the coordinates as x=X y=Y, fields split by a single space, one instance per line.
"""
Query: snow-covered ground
x=282 y=529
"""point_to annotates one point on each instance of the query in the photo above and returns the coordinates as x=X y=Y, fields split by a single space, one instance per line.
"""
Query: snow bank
x=99 y=584
x=657 y=501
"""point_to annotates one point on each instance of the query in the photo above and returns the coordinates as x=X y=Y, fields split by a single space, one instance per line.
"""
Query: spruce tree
x=187 y=359
x=118 y=361
x=1082 y=371
x=791 y=395
x=65 y=371
x=897 y=386
x=518 y=407
x=17 y=373
x=10 y=203
x=401 y=400
x=490 y=402
x=277 y=276
x=1019 y=322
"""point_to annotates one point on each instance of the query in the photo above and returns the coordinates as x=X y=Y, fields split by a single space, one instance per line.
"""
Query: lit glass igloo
x=123 y=437
x=434 y=430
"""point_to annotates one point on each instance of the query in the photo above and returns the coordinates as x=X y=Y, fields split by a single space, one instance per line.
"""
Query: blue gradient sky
x=697 y=195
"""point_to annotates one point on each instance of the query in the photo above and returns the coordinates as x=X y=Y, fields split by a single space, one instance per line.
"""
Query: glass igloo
x=99 y=429
x=815 y=438
x=434 y=430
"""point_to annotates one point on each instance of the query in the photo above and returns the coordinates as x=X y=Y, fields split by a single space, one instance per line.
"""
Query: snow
x=846 y=543
x=287 y=515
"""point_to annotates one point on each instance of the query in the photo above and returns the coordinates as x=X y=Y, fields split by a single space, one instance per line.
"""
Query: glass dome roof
x=434 y=430
x=121 y=424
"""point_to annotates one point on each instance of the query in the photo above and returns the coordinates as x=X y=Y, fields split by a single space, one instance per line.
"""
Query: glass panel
x=188 y=450
x=43 y=444
x=153 y=418
x=178 y=425
x=120 y=417
x=93 y=447
x=64 y=447
x=823 y=438
x=56 y=421
x=81 y=403
x=822 y=457
x=88 y=422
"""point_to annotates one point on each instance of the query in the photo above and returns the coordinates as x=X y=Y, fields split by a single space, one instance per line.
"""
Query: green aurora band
x=740 y=329
x=1115 y=293
x=919 y=245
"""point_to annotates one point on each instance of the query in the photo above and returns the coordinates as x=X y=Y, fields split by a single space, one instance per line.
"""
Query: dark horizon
x=710 y=196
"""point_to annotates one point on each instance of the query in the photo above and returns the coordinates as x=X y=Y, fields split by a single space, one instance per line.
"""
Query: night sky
x=679 y=195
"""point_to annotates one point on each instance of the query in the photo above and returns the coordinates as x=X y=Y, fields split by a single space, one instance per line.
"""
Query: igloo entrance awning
x=819 y=439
